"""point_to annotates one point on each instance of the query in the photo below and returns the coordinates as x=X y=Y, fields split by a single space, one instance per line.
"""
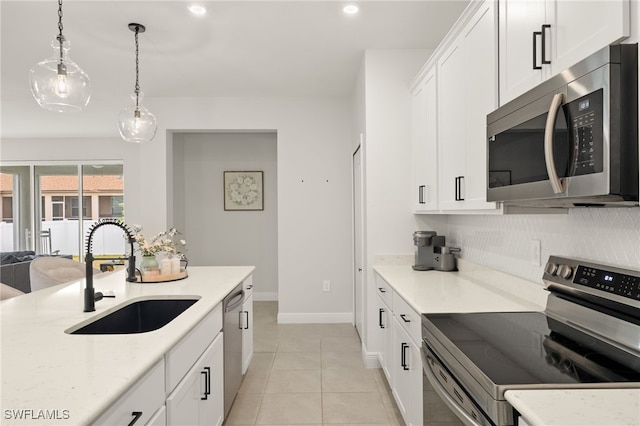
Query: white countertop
x=479 y=289
x=577 y=407
x=43 y=368
x=472 y=289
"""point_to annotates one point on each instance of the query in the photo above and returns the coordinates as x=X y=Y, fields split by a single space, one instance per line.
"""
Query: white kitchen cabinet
x=138 y=405
x=198 y=398
x=467 y=83
x=191 y=373
x=572 y=30
x=186 y=352
x=407 y=374
x=383 y=326
x=399 y=328
x=246 y=322
x=425 y=144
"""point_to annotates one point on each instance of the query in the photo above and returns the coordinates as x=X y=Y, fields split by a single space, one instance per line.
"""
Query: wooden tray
x=162 y=278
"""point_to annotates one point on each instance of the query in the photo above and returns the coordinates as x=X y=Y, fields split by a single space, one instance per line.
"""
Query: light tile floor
x=309 y=374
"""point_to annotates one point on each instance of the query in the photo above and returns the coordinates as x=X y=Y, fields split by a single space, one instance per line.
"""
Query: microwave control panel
x=584 y=116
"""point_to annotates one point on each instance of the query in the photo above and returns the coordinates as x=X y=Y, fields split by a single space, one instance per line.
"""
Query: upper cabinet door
x=452 y=125
x=482 y=98
x=519 y=21
x=425 y=145
x=541 y=38
x=467 y=80
x=583 y=28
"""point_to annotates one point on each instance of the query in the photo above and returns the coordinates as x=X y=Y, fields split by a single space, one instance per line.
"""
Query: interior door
x=357 y=242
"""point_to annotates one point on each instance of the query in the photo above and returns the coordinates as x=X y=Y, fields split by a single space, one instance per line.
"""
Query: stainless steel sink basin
x=137 y=317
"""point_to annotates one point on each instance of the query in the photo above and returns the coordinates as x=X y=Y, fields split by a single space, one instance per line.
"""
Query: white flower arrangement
x=159 y=243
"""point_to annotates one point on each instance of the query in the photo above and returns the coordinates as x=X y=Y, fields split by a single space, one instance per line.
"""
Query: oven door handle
x=559 y=185
x=451 y=403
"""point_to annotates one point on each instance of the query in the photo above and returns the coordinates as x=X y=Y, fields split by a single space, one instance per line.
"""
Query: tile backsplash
x=609 y=236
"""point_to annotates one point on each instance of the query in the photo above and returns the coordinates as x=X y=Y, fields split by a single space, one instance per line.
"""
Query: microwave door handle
x=558 y=184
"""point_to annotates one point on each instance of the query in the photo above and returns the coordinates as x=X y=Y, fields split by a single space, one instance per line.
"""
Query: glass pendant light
x=136 y=123
x=58 y=83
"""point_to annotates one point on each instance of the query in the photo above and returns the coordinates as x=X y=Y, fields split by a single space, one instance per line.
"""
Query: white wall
x=314 y=166
x=313 y=185
x=216 y=236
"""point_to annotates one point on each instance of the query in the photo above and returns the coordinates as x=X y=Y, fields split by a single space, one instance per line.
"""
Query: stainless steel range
x=587 y=337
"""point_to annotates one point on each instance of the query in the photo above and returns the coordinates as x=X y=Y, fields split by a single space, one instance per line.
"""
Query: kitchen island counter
x=51 y=377
x=583 y=407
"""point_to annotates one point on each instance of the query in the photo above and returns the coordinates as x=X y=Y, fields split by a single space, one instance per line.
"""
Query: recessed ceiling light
x=197 y=9
x=350 y=9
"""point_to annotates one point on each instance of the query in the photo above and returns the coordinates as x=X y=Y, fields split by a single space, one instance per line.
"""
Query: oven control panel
x=606 y=280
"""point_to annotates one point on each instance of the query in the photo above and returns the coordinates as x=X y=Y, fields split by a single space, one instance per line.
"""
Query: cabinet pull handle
x=246 y=324
x=421 y=194
x=382 y=290
x=543 y=31
x=136 y=415
x=458 y=194
x=404 y=318
x=403 y=356
x=381 y=311
x=535 y=51
x=207 y=382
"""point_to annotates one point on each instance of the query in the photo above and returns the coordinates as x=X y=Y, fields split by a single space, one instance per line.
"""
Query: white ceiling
x=240 y=48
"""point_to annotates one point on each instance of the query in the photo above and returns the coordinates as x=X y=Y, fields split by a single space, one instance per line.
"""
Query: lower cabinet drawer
x=140 y=403
x=408 y=318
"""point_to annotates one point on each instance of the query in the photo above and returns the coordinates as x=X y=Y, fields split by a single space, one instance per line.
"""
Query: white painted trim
x=315 y=318
x=265 y=296
x=370 y=359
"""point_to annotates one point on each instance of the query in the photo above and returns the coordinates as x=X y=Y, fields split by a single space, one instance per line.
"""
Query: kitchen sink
x=137 y=317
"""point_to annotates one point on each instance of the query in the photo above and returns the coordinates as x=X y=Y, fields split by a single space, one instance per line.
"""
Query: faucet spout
x=90 y=295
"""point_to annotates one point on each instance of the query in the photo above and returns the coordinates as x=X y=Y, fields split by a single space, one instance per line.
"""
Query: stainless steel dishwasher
x=232 y=329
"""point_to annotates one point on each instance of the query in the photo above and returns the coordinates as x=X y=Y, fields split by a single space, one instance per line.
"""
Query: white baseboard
x=265 y=296
x=370 y=359
x=324 y=318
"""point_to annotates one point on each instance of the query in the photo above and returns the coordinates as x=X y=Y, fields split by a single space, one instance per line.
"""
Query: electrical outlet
x=535 y=252
x=326 y=285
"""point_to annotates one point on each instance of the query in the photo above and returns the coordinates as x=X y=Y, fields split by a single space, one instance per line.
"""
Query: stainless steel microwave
x=571 y=141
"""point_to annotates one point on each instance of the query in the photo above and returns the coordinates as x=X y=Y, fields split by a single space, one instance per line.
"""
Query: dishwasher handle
x=232 y=301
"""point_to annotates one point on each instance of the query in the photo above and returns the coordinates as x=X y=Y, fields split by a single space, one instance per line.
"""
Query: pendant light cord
x=137 y=87
x=60 y=36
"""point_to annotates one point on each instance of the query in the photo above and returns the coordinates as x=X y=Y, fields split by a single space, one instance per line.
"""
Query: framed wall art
x=243 y=191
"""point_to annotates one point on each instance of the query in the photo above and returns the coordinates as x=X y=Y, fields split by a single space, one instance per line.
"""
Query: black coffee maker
x=432 y=252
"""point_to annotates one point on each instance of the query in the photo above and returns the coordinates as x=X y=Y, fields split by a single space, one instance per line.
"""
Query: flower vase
x=149 y=265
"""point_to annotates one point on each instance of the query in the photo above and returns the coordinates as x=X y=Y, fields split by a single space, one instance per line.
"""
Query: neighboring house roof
x=70 y=183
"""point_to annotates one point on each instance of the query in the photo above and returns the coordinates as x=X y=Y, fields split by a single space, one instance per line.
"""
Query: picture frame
x=243 y=191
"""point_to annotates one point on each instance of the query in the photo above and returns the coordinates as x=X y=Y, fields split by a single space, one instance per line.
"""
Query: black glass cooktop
x=531 y=348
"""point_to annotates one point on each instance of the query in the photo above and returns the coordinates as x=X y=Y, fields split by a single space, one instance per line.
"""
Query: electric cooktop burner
x=532 y=348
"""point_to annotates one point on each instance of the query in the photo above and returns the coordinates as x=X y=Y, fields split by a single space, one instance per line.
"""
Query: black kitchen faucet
x=90 y=296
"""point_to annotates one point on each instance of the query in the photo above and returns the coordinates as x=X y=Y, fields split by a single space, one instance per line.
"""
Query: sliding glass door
x=49 y=208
